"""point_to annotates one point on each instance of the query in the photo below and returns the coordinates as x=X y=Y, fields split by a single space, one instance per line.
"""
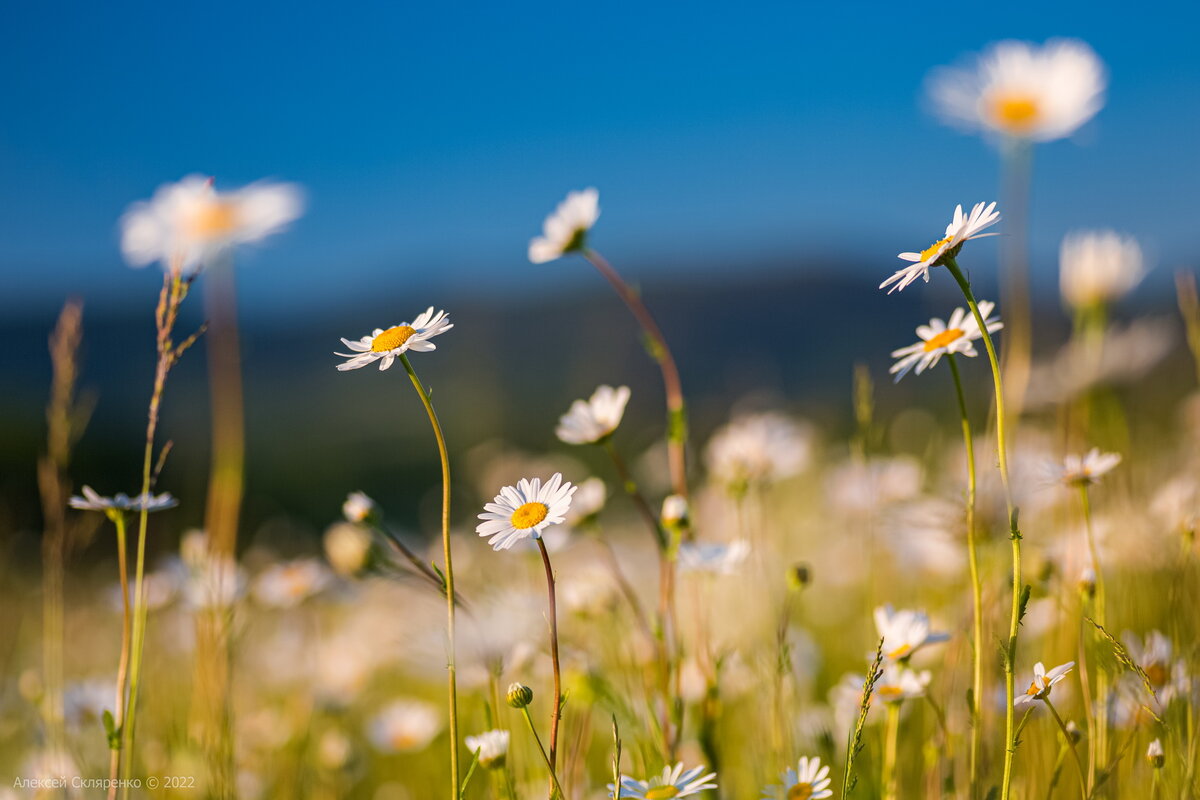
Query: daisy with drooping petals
x=186 y=225
x=1043 y=682
x=1022 y=91
x=961 y=229
x=904 y=632
x=809 y=781
x=565 y=231
x=1096 y=267
x=939 y=338
x=590 y=421
x=525 y=510
x=93 y=501
x=673 y=782
x=1086 y=469
x=385 y=346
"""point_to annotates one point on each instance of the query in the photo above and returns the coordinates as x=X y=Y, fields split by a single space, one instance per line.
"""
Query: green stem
x=556 y=714
x=118 y=519
x=892 y=738
x=1010 y=659
x=542 y=750
x=1100 y=759
x=1071 y=744
x=452 y=683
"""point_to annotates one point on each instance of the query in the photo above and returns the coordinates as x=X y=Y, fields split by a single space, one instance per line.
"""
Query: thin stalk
x=1083 y=791
x=1010 y=659
x=631 y=488
x=556 y=713
x=114 y=769
x=1017 y=168
x=891 y=740
x=1100 y=760
x=542 y=750
x=452 y=682
x=976 y=585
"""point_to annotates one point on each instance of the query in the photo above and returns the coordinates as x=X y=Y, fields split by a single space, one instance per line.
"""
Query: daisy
x=359 y=507
x=904 y=632
x=715 y=559
x=1043 y=682
x=758 y=448
x=189 y=224
x=673 y=782
x=348 y=548
x=939 y=338
x=1022 y=91
x=93 y=501
x=899 y=683
x=565 y=231
x=1086 y=469
x=525 y=510
x=404 y=726
x=961 y=229
x=588 y=501
x=1156 y=755
x=592 y=420
x=384 y=345
x=809 y=781
x=288 y=585
x=1096 y=267
x=490 y=747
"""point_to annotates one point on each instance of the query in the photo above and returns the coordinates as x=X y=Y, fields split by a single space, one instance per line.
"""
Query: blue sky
x=432 y=139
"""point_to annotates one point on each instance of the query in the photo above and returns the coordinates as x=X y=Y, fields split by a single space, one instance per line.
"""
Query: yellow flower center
x=212 y=220
x=801 y=791
x=403 y=740
x=660 y=792
x=1157 y=673
x=889 y=692
x=904 y=649
x=392 y=338
x=1016 y=112
x=529 y=515
x=1034 y=690
x=943 y=339
x=929 y=252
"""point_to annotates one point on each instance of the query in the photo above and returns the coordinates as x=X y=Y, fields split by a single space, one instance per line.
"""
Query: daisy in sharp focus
x=673 y=782
x=385 y=346
x=1086 y=469
x=809 y=781
x=1023 y=91
x=939 y=338
x=590 y=421
x=1043 y=682
x=565 y=231
x=904 y=632
x=961 y=229
x=189 y=224
x=525 y=510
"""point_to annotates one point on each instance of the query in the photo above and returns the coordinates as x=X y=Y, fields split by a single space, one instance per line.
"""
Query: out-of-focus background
x=758 y=169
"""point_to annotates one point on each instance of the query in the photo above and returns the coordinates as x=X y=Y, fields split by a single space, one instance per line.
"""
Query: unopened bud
x=519 y=695
x=1155 y=754
x=799 y=576
x=1074 y=732
x=1087 y=583
x=359 y=508
x=674 y=511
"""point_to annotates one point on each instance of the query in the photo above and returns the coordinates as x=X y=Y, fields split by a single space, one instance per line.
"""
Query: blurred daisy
x=1022 y=91
x=758 y=448
x=1096 y=267
x=288 y=585
x=348 y=548
x=590 y=421
x=1156 y=755
x=490 y=747
x=961 y=229
x=404 y=726
x=713 y=558
x=809 y=781
x=939 y=338
x=525 y=510
x=359 y=507
x=1156 y=656
x=1043 y=682
x=673 y=782
x=187 y=225
x=588 y=501
x=214 y=583
x=1086 y=469
x=93 y=501
x=899 y=683
x=904 y=632
x=565 y=231
x=384 y=345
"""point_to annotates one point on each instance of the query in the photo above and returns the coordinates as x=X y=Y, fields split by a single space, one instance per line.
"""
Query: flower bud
x=799 y=576
x=1074 y=732
x=519 y=695
x=674 y=511
x=1156 y=755
x=359 y=508
x=1087 y=583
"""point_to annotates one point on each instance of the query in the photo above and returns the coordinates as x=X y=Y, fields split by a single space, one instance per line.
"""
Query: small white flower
x=187 y=225
x=288 y=585
x=359 y=507
x=347 y=548
x=939 y=338
x=490 y=748
x=589 y=421
x=385 y=345
x=404 y=726
x=899 y=683
x=1043 y=682
x=588 y=501
x=961 y=229
x=758 y=448
x=809 y=780
x=674 y=510
x=904 y=632
x=525 y=510
x=93 y=501
x=565 y=230
x=713 y=558
x=1096 y=267
x=1022 y=91
x=673 y=782
x=1155 y=754
x=1086 y=469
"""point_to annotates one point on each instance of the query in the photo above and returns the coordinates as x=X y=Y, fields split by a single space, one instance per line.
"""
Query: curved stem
x=631 y=488
x=542 y=750
x=1100 y=744
x=556 y=714
x=452 y=683
x=118 y=519
x=891 y=740
x=1071 y=744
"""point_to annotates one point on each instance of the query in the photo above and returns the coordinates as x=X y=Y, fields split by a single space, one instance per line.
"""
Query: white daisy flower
x=565 y=230
x=385 y=345
x=1043 y=682
x=904 y=632
x=1019 y=90
x=1097 y=267
x=214 y=583
x=939 y=338
x=1086 y=469
x=490 y=747
x=404 y=726
x=186 y=225
x=359 y=507
x=673 y=782
x=525 y=510
x=93 y=501
x=590 y=421
x=961 y=229
x=589 y=501
x=758 y=448
x=348 y=548
x=809 y=781
x=713 y=558
x=899 y=683
x=288 y=585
